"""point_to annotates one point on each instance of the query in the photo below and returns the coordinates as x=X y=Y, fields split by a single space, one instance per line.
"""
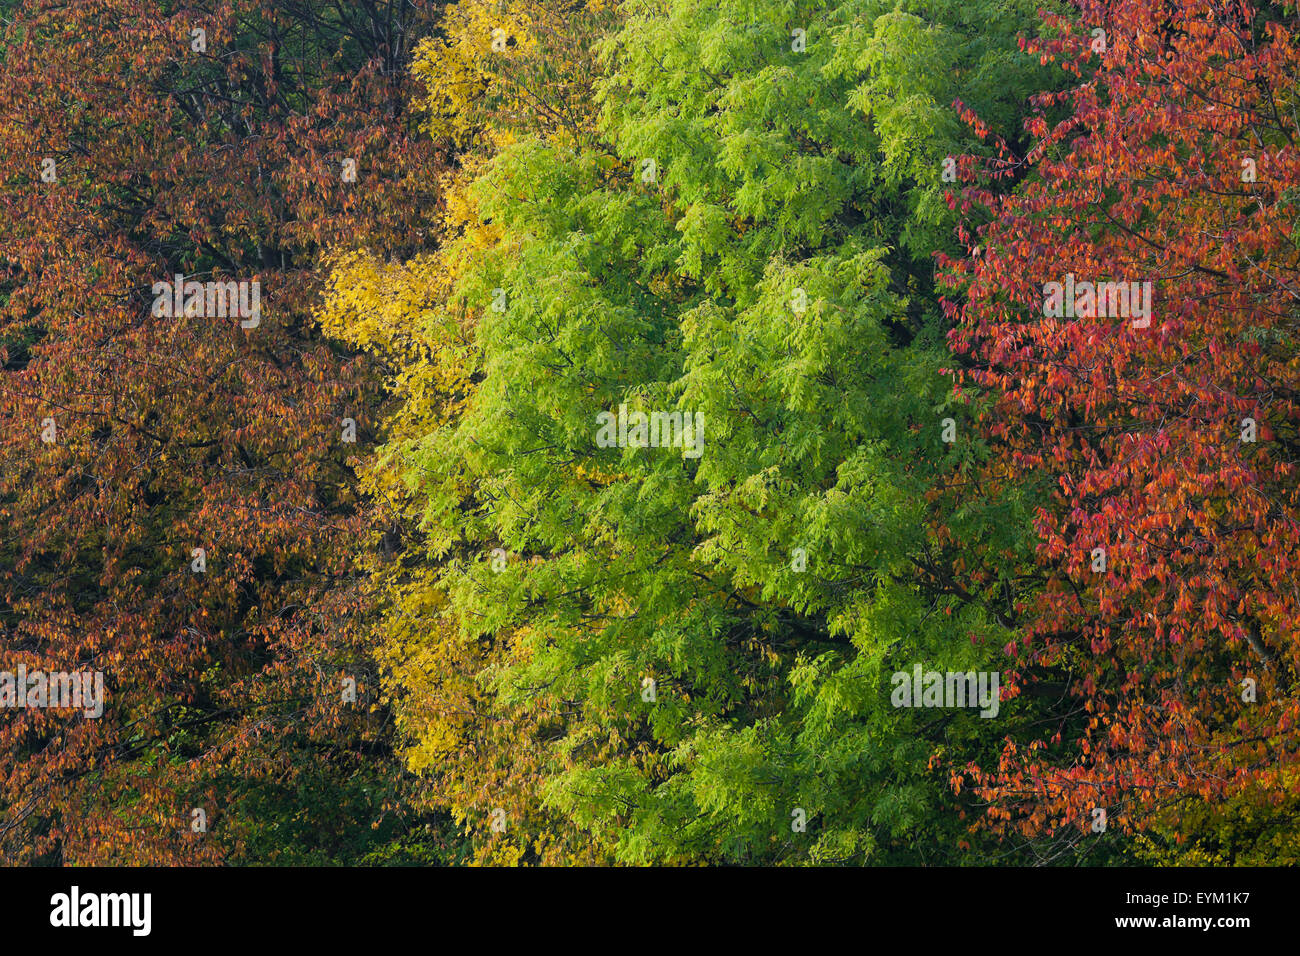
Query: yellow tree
x=497 y=72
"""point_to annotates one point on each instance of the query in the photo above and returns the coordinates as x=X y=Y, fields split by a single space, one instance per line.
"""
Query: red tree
x=1171 y=528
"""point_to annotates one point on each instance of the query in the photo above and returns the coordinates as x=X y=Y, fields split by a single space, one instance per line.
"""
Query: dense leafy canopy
x=646 y=399
x=679 y=683
x=132 y=150
x=1167 y=438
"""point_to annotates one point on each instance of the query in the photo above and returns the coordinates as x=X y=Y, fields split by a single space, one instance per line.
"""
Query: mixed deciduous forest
x=660 y=432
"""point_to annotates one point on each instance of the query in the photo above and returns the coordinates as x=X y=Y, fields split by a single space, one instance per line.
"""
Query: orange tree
x=173 y=487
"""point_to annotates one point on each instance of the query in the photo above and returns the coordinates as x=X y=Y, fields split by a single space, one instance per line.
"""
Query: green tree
x=697 y=649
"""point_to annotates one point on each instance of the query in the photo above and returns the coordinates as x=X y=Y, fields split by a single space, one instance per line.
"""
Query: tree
x=1164 y=429
x=494 y=73
x=688 y=655
x=186 y=525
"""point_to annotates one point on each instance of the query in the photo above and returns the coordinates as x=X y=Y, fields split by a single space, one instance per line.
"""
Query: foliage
x=776 y=169
x=1168 y=442
x=638 y=392
x=219 y=157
